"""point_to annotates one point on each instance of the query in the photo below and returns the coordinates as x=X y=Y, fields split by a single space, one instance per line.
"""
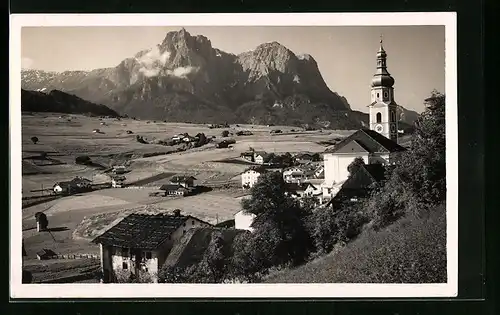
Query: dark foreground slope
x=409 y=251
x=60 y=102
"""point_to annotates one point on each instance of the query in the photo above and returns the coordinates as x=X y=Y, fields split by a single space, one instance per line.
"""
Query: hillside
x=60 y=102
x=410 y=250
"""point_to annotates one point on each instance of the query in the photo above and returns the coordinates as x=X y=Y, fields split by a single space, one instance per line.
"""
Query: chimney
x=177 y=212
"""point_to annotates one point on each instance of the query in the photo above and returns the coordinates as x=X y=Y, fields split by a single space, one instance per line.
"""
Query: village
x=137 y=197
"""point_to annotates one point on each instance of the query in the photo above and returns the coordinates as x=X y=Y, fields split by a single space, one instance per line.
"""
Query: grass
x=409 y=251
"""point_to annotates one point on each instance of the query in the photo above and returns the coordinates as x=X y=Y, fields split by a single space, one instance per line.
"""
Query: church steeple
x=383 y=107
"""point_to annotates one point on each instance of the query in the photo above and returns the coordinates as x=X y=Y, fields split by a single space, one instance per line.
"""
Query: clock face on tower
x=379 y=128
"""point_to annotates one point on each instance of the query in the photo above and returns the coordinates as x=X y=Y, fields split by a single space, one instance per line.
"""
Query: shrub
x=413 y=250
x=225 y=133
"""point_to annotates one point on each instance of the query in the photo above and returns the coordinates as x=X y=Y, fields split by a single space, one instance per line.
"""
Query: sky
x=346 y=55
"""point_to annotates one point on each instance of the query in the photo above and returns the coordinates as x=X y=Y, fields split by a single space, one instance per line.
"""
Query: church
x=378 y=144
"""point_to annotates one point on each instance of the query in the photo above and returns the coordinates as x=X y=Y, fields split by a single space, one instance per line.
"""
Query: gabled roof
x=171 y=187
x=141 y=231
x=358 y=184
x=365 y=176
x=368 y=141
x=181 y=178
x=258 y=169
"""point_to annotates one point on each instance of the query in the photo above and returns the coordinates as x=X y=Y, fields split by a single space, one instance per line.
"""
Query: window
x=393 y=115
x=379 y=118
x=386 y=95
x=124 y=265
x=183 y=232
x=378 y=95
x=184 y=224
x=148 y=255
x=192 y=222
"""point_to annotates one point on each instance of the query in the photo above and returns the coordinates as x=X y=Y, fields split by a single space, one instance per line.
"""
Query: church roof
x=366 y=140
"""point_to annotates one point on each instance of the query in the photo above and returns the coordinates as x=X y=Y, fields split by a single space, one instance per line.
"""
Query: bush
x=225 y=133
x=330 y=226
x=83 y=160
x=413 y=250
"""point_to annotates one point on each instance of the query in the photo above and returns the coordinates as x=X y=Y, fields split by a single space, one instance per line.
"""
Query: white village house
x=294 y=175
x=250 y=176
x=243 y=220
x=141 y=243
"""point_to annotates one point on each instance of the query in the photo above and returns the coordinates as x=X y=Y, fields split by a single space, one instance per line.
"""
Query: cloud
x=182 y=72
x=153 y=61
x=26 y=63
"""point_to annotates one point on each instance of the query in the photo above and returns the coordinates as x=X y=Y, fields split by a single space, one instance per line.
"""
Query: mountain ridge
x=184 y=78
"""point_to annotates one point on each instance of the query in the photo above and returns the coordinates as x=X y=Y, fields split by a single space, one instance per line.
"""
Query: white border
x=449 y=289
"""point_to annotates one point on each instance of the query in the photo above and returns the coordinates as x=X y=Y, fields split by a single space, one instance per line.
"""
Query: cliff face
x=184 y=78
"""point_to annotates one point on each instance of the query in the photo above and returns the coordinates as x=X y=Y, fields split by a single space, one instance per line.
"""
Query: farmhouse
x=294 y=175
x=118 y=181
x=77 y=184
x=371 y=146
x=184 y=181
x=141 y=243
x=176 y=190
x=261 y=157
x=45 y=254
x=359 y=184
x=247 y=156
x=250 y=176
x=120 y=169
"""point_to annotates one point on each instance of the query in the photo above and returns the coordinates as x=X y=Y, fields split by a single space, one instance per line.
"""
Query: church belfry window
x=379 y=118
x=386 y=95
x=378 y=95
x=393 y=116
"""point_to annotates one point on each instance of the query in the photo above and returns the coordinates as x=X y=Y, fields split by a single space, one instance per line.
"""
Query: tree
x=225 y=133
x=34 y=139
x=83 y=159
x=355 y=165
x=417 y=182
x=279 y=225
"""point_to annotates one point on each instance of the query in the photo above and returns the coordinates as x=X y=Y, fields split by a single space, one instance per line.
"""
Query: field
x=63 y=140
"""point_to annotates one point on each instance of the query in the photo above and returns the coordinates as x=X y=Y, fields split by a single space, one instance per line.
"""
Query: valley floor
x=70 y=218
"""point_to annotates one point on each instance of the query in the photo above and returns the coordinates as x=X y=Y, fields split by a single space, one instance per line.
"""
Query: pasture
x=63 y=138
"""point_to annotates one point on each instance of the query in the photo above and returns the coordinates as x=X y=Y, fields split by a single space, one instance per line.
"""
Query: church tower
x=383 y=108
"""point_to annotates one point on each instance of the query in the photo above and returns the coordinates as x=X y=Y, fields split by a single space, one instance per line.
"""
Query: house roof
x=181 y=178
x=258 y=169
x=365 y=176
x=46 y=252
x=297 y=187
x=366 y=140
x=358 y=184
x=170 y=187
x=141 y=231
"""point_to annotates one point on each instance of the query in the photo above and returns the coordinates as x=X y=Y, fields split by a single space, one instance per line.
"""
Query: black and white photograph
x=234 y=155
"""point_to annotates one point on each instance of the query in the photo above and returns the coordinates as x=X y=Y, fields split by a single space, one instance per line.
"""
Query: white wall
x=250 y=178
x=242 y=221
x=336 y=167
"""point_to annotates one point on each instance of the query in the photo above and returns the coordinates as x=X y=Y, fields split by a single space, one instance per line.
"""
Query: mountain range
x=185 y=79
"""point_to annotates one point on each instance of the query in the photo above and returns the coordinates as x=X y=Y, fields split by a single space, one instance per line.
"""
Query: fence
x=74 y=256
